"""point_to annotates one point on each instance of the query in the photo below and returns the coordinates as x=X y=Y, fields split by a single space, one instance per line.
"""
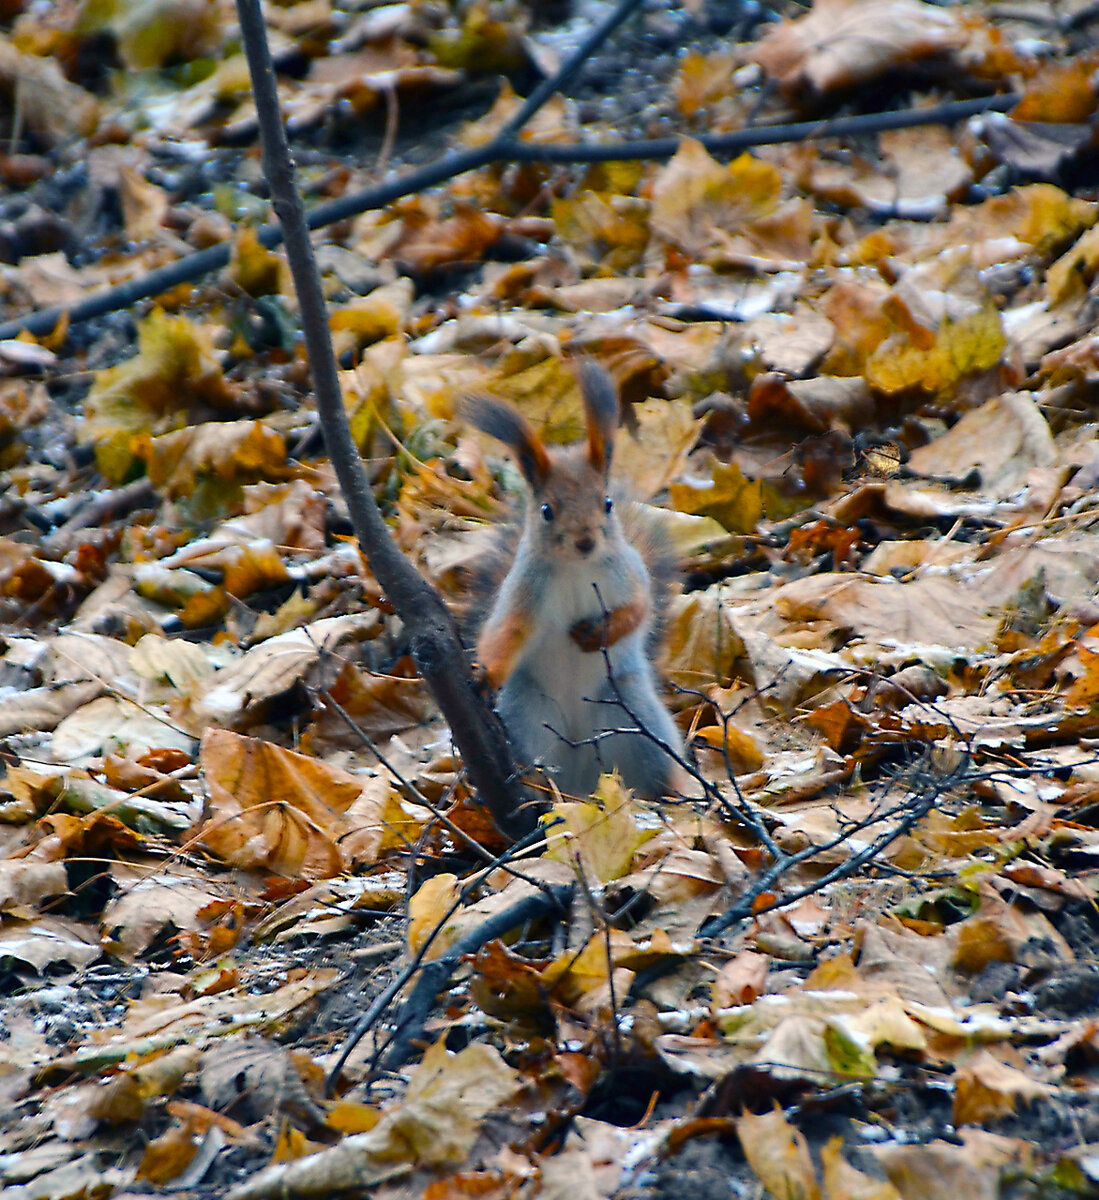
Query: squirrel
x=568 y=637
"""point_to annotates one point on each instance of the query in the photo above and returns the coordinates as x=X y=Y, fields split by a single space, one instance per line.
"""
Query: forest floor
x=859 y=372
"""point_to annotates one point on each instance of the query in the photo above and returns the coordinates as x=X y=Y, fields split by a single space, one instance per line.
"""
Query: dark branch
x=436 y=648
x=502 y=149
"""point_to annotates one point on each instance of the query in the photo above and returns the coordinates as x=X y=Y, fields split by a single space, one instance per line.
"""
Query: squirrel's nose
x=585 y=544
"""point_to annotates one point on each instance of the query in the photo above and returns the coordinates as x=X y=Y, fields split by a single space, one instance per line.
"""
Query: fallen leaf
x=272 y=808
x=779 y=1155
x=841 y=43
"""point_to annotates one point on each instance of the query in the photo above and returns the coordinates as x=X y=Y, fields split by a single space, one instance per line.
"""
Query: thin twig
x=911 y=809
x=550 y=895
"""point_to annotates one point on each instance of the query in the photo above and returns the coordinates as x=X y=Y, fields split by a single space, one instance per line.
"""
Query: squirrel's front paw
x=590 y=634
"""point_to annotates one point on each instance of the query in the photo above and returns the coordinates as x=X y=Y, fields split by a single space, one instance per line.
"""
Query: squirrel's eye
x=547 y=512
x=608 y=504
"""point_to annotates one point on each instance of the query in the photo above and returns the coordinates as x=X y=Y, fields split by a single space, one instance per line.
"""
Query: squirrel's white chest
x=570 y=677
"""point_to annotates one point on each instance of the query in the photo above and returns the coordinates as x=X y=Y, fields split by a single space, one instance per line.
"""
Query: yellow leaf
x=168 y=1156
x=610 y=231
x=432 y=901
x=736 y=502
x=1049 y=216
x=174 y=369
x=694 y=196
x=546 y=393
x=233 y=452
x=1060 y=93
x=604 y=834
x=254 y=268
x=703 y=80
x=779 y=1155
x=1085 y=688
x=739 y=744
x=1069 y=277
x=382 y=313
x=958 y=348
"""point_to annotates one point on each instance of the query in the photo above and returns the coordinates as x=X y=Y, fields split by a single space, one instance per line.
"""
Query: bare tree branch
x=504 y=148
x=434 y=642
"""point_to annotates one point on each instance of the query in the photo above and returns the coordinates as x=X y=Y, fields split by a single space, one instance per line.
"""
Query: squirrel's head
x=571 y=514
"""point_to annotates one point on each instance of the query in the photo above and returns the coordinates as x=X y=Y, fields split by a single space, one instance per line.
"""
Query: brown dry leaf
x=741 y=980
x=1076 y=364
x=1003 y=440
x=855 y=306
x=929 y=611
x=840 y=43
x=241 y=693
x=47 y=943
x=816 y=405
x=603 y=294
x=1002 y=932
x=944 y=1171
x=158 y=1022
x=252 y=1079
x=82 y=1175
x=168 y=902
x=26 y=883
x=291 y=515
x=110 y=725
x=273 y=808
x=436 y=1124
x=144 y=205
x=52 y=108
x=183 y=665
x=426 y=242
x=648 y=459
x=676 y=875
x=700 y=648
x=225 y=454
x=916 y=968
x=380 y=705
x=44 y=708
x=986 y=1088
x=843 y=1182
x=48 y=279
x=695 y=198
x=918 y=173
x=380 y=820
x=779 y=1155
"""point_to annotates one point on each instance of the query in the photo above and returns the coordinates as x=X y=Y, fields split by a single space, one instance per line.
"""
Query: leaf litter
x=858 y=379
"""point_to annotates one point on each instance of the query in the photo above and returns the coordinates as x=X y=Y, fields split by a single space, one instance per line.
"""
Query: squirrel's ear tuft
x=601 y=410
x=503 y=423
